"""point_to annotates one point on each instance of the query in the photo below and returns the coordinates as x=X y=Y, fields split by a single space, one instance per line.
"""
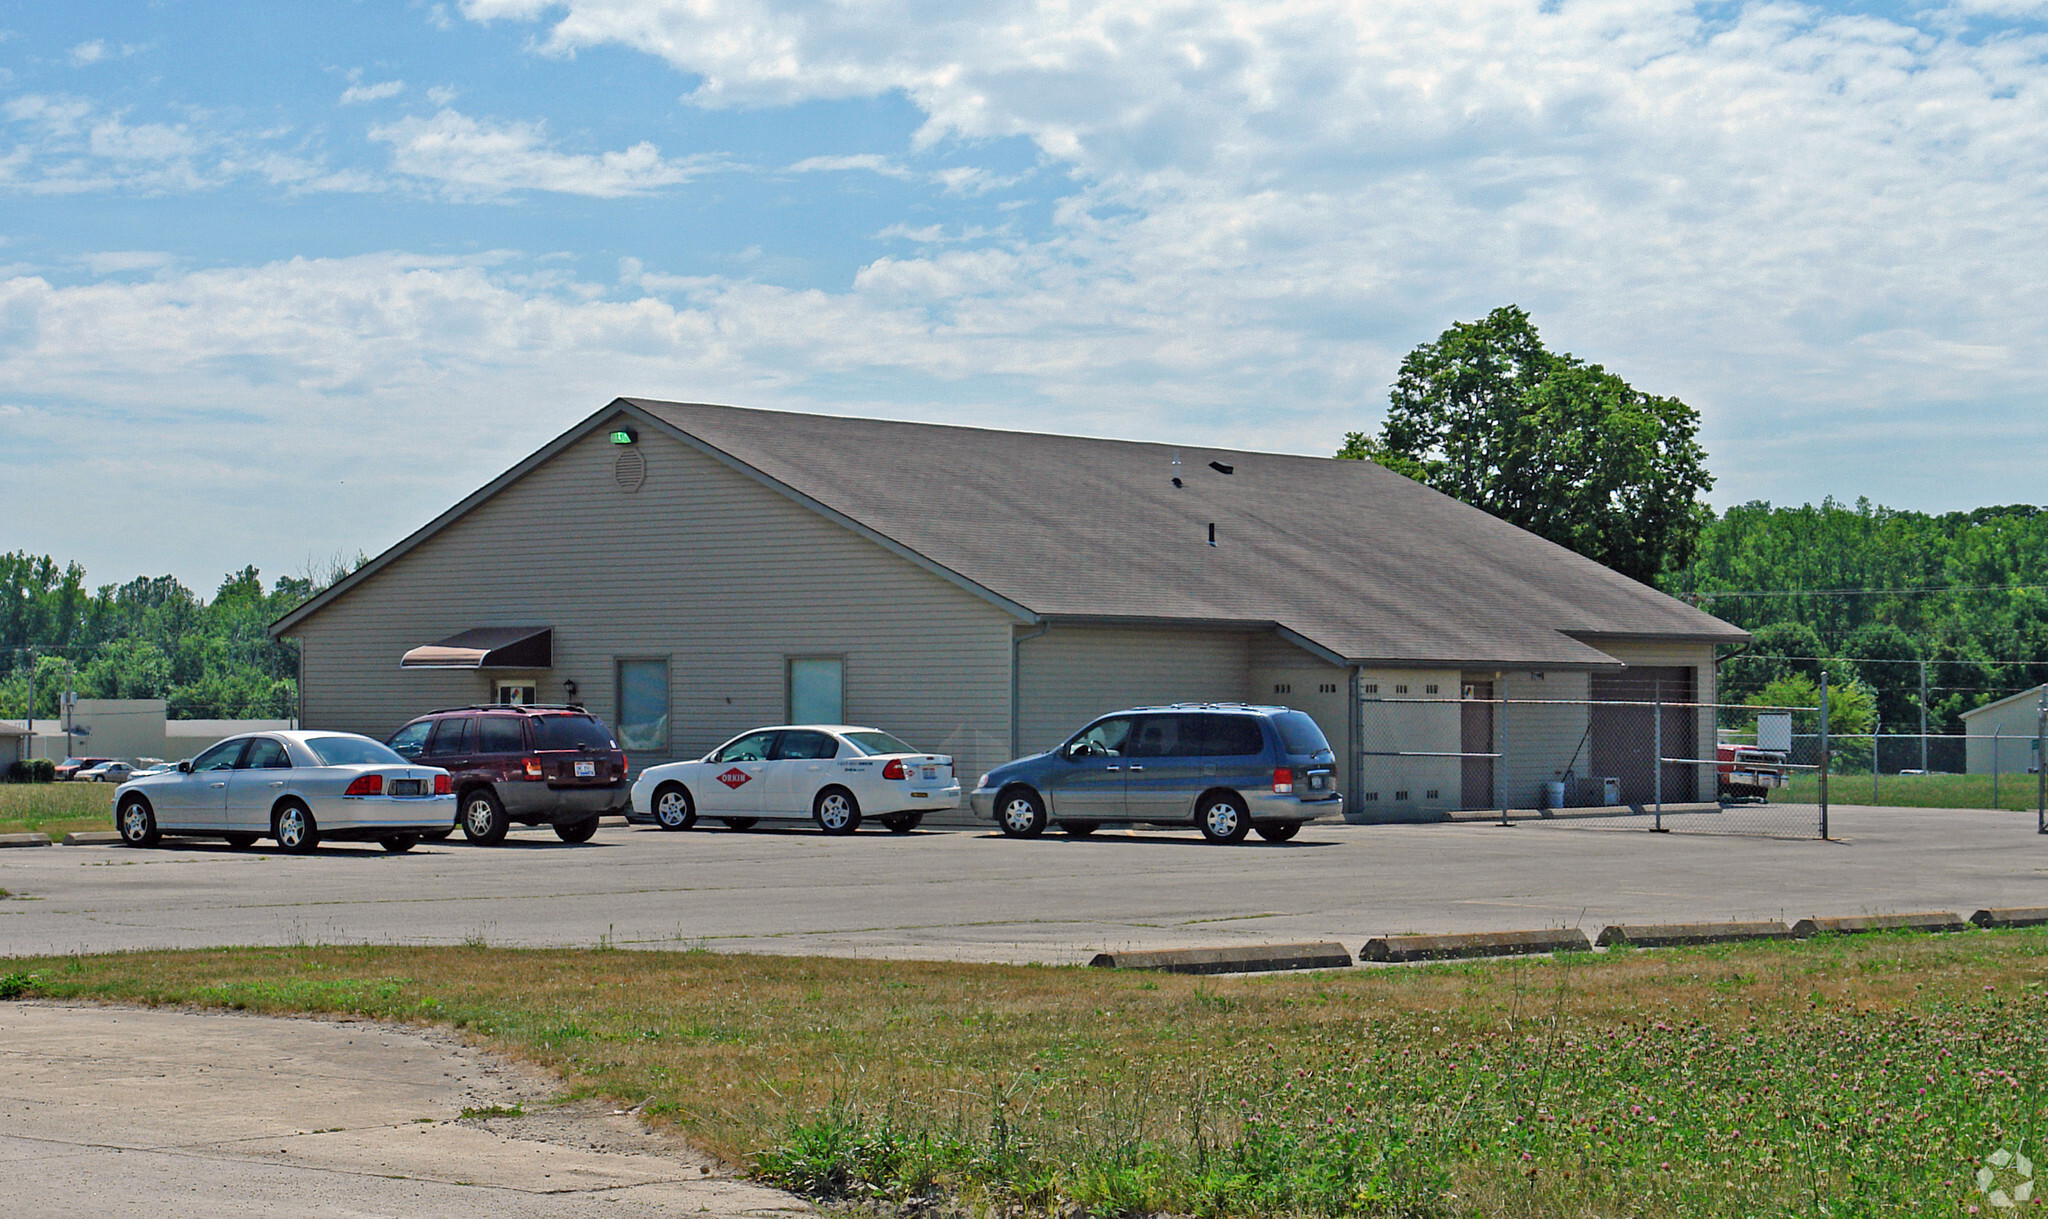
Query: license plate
x=586 y=770
x=931 y=772
x=1318 y=782
x=405 y=787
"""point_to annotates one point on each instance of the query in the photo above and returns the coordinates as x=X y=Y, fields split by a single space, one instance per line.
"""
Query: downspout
x=1354 y=787
x=1016 y=686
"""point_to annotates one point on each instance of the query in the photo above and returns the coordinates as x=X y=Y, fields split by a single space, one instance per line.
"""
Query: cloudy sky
x=281 y=281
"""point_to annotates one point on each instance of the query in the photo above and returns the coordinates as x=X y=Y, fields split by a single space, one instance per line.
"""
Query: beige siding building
x=689 y=572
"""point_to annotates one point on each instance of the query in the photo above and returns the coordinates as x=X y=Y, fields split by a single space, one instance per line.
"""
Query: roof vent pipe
x=1176 y=468
x=1212 y=533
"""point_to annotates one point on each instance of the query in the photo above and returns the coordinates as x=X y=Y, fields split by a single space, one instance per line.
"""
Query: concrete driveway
x=979 y=897
x=110 y=1111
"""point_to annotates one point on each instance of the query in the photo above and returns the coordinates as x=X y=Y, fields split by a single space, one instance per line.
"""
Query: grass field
x=1845 y=1076
x=55 y=808
x=2015 y=792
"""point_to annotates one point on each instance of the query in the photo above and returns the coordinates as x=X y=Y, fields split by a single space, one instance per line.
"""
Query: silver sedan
x=296 y=787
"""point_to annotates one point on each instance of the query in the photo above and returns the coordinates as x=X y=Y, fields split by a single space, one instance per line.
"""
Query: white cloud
x=88 y=53
x=371 y=93
x=468 y=159
x=75 y=146
x=1822 y=228
x=114 y=262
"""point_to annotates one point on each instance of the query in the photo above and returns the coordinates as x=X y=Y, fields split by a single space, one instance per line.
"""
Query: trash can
x=1610 y=791
x=1553 y=795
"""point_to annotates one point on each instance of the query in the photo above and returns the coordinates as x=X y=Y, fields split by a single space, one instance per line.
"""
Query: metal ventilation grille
x=630 y=470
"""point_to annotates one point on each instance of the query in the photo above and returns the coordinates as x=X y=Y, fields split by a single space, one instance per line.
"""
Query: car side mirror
x=185 y=767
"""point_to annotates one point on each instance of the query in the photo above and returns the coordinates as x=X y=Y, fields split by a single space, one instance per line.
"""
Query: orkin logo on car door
x=734 y=778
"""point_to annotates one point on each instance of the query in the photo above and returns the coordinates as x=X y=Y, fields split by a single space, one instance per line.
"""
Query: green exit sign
x=625 y=435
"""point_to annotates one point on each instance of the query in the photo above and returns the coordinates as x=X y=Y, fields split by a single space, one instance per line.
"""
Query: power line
x=1892 y=660
x=1868 y=592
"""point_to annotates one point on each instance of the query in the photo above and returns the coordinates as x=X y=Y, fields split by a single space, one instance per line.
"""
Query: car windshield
x=1300 y=734
x=351 y=751
x=571 y=732
x=878 y=742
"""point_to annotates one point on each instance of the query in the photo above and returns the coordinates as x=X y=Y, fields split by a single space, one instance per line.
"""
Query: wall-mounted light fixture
x=569 y=685
x=625 y=435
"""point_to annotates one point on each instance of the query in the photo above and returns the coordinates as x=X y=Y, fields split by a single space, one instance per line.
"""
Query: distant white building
x=124 y=728
x=2005 y=736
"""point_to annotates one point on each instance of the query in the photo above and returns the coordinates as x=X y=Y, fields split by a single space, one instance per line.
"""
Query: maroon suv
x=557 y=766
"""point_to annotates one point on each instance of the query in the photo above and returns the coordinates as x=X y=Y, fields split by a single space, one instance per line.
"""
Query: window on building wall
x=817 y=690
x=643 y=705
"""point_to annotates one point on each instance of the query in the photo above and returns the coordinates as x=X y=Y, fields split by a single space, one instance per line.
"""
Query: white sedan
x=833 y=774
x=296 y=787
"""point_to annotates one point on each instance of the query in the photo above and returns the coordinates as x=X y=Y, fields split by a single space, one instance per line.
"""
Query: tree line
x=151 y=637
x=1488 y=414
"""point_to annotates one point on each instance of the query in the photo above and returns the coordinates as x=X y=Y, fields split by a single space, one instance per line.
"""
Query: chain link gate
x=1669 y=766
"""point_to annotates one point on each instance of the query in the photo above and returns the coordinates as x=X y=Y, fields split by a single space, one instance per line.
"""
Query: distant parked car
x=535 y=765
x=300 y=788
x=833 y=774
x=68 y=769
x=110 y=772
x=1224 y=768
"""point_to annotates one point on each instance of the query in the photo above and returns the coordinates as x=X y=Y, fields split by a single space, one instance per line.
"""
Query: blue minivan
x=1224 y=768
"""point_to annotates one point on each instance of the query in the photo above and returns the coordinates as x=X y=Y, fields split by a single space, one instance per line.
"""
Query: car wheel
x=399 y=844
x=1077 y=829
x=293 y=827
x=903 y=823
x=836 y=811
x=740 y=823
x=1021 y=813
x=1223 y=819
x=1279 y=831
x=673 y=808
x=483 y=818
x=240 y=840
x=137 y=823
x=577 y=831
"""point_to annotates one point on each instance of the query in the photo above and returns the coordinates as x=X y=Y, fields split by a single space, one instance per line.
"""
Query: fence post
x=1876 y=730
x=1657 y=748
x=1824 y=753
x=1500 y=747
x=2041 y=768
x=1997 y=731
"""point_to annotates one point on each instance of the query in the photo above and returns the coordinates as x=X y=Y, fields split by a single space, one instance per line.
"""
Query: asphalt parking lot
x=975 y=896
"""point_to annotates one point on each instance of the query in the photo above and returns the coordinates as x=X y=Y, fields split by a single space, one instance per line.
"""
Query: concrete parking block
x=24 y=840
x=1932 y=922
x=1260 y=958
x=1393 y=948
x=2011 y=916
x=1674 y=935
x=93 y=838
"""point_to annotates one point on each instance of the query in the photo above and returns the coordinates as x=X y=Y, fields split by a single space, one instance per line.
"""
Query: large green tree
x=1542 y=439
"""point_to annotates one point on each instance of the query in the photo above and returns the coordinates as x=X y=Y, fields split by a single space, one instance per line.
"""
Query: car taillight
x=894 y=770
x=533 y=770
x=366 y=785
x=1283 y=779
x=443 y=785
x=625 y=764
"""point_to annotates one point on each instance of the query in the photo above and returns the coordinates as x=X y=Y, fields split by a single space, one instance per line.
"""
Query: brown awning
x=487 y=647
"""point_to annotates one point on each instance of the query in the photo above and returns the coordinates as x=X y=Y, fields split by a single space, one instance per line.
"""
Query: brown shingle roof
x=1365 y=563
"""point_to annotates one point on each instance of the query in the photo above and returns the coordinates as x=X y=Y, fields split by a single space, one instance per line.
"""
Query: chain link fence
x=1630 y=763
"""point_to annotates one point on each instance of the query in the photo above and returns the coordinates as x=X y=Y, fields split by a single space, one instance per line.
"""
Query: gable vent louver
x=630 y=470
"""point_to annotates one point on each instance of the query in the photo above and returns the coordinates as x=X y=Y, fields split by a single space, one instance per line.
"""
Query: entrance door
x=1475 y=735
